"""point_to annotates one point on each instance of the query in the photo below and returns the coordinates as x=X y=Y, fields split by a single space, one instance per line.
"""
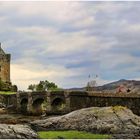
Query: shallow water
x=17 y=118
x=13 y=118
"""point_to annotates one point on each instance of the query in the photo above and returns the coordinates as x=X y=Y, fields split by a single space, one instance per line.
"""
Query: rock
x=3 y=111
x=16 y=132
x=118 y=121
x=2 y=105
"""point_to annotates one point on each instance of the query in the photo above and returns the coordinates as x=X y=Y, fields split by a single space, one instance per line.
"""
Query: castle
x=4 y=66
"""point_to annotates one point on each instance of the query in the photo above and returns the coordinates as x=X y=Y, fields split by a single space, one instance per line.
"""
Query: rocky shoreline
x=117 y=121
x=17 y=132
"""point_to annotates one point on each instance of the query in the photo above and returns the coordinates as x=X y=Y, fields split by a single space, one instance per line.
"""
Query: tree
x=52 y=86
x=7 y=86
x=14 y=88
x=32 y=87
x=40 y=87
x=43 y=86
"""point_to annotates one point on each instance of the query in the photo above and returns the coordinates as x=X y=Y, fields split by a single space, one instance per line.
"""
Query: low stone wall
x=8 y=101
x=2 y=101
x=103 y=99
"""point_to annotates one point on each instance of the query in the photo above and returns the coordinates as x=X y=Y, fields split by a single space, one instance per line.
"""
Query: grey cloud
x=110 y=28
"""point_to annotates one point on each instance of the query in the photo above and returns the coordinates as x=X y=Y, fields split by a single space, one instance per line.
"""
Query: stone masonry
x=62 y=102
x=4 y=66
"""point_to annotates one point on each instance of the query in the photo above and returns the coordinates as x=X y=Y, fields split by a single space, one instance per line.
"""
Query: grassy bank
x=7 y=92
x=70 y=135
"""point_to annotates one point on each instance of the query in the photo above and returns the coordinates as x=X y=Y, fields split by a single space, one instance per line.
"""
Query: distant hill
x=131 y=84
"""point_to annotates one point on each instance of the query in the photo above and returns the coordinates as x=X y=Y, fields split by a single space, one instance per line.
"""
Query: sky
x=65 y=42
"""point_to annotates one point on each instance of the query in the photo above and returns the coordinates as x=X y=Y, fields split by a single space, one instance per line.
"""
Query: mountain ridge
x=131 y=84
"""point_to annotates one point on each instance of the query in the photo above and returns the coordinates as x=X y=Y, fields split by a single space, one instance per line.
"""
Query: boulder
x=16 y=132
x=118 y=121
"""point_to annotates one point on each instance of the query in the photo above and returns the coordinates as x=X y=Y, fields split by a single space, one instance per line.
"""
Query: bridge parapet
x=78 y=93
x=122 y=95
x=60 y=102
x=82 y=99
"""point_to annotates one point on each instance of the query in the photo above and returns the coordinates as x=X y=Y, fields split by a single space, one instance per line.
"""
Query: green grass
x=7 y=92
x=71 y=135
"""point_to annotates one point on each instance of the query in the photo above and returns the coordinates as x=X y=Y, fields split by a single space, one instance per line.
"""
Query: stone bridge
x=39 y=102
x=61 y=102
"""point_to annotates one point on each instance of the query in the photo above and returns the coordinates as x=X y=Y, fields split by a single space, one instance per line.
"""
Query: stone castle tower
x=4 y=66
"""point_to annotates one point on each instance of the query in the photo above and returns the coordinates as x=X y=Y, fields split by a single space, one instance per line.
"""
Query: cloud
x=28 y=73
x=66 y=41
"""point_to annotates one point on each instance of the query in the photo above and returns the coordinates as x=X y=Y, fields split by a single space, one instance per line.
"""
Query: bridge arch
x=38 y=106
x=58 y=104
x=24 y=104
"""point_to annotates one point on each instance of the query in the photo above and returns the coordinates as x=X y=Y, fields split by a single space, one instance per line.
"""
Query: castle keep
x=4 y=66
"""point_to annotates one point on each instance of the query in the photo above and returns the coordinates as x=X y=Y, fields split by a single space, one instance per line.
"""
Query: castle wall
x=5 y=67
